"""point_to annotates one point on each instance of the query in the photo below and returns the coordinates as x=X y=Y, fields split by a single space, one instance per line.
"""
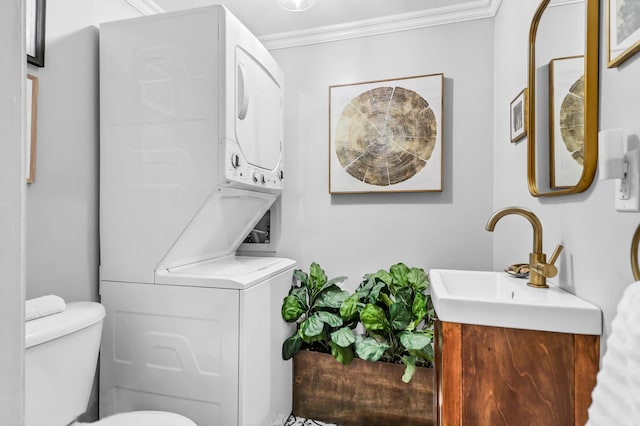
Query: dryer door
x=258 y=112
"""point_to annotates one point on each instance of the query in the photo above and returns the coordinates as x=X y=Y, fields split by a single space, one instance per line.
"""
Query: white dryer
x=191 y=157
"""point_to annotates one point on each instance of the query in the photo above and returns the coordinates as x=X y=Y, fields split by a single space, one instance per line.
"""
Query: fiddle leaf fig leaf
x=343 y=355
x=369 y=348
x=300 y=293
x=418 y=279
x=384 y=298
x=332 y=297
x=311 y=327
x=399 y=316
x=343 y=337
x=404 y=295
x=301 y=276
x=350 y=308
x=317 y=277
x=328 y=318
x=332 y=283
x=413 y=340
x=410 y=368
x=374 y=294
x=384 y=276
x=419 y=307
x=291 y=309
x=399 y=273
x=373 y=318
x=291 y=346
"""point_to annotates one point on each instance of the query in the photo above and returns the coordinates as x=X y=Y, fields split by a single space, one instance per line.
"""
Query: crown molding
x=472 y=10
x=146 y=7
x=479 y=9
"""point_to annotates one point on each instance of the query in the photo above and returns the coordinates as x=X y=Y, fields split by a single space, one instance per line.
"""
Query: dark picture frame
x=519 y=117
x=35 y=29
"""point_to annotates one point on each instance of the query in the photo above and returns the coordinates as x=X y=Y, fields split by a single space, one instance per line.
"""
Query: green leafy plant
x=392 y=306
x=314 y=304
x=397 y=316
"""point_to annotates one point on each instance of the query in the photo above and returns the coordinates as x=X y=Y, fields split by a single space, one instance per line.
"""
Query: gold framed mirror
x=562 y=146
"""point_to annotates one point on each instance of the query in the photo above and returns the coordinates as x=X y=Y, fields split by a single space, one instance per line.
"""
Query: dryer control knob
x=262 y=179
x=255 y=178
x=235 y=161
x=281 y=174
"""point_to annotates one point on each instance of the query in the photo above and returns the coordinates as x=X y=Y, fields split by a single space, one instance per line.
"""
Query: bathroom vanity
x=502 y=376
x=510 y=354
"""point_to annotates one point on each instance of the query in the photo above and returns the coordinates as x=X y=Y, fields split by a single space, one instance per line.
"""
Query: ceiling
x=265 y=18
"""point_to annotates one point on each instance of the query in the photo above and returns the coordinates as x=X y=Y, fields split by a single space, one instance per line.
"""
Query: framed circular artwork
x=386 y=135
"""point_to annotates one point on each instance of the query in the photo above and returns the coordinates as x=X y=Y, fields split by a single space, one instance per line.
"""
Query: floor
x=299 y=421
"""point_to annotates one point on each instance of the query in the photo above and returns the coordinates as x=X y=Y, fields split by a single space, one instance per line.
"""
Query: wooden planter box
x=362 y=393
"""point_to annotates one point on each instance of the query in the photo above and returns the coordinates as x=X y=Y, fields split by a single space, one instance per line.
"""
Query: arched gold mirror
x=562 y=151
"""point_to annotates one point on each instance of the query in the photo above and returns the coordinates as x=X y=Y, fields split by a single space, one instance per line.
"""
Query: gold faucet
x=539 y=268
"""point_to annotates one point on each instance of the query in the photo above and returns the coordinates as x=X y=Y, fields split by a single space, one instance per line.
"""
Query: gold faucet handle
x=548 y=270
x=555 y=254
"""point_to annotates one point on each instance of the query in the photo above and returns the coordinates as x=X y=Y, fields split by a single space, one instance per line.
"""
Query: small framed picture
x=35 y=14
x=32 y=126
x=519 y=116
x=623 y=30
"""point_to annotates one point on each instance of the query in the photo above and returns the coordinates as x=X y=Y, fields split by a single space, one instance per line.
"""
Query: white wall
x=356 y=234
x=12 y=182
x=62 y=231
x=595 y=263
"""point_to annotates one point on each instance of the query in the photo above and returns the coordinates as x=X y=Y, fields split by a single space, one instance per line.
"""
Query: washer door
x=258 y=112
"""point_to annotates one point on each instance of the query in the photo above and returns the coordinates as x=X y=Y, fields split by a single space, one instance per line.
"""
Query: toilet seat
x=143 y=418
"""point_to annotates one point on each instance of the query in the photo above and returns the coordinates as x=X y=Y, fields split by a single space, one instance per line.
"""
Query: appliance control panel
x=238 y=171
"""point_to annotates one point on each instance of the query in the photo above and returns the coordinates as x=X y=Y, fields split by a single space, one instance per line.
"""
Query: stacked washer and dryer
x=191 y=159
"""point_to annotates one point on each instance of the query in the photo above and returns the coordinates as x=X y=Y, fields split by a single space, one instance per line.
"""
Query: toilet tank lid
x=76 y=316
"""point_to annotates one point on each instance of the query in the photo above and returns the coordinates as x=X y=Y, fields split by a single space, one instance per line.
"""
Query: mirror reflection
x=558 y=103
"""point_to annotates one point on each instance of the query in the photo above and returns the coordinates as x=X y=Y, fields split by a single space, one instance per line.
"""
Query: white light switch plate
x=632 y=204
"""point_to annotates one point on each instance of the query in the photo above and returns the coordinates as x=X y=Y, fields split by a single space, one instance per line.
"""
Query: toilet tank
x=60 y=360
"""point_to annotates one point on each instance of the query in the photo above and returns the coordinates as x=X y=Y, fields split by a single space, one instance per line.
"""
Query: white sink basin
x=497 y=299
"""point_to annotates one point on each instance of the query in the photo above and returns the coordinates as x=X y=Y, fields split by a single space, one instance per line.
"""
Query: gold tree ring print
x=572 y=121
x=385 y=135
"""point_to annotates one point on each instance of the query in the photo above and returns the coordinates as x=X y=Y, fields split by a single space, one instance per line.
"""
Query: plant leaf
x=301 y=276
x=343 y=337
x=332 y=320
x=404 y=295
x=301 y=294
x=410 y=368
x=332 y=297
x=369 y=348
x=413 y=340
x=418 y=279
x=332 y=282
x=343 y=355
x=317 y=277
x=311 y=327
x=399 y=273
x=384 y=276
x=399 y=316
x=291 y=346
x=374 y=294
x=373 y=318
x=291 y=309
x=350 y=307
x=419 y=307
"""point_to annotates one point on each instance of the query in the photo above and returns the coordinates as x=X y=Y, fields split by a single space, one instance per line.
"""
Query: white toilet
x=60 y=360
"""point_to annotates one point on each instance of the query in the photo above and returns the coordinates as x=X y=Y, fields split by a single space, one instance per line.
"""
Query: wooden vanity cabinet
x=503 y=376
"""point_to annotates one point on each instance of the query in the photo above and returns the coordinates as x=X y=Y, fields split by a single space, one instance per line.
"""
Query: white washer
x=209 y=348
